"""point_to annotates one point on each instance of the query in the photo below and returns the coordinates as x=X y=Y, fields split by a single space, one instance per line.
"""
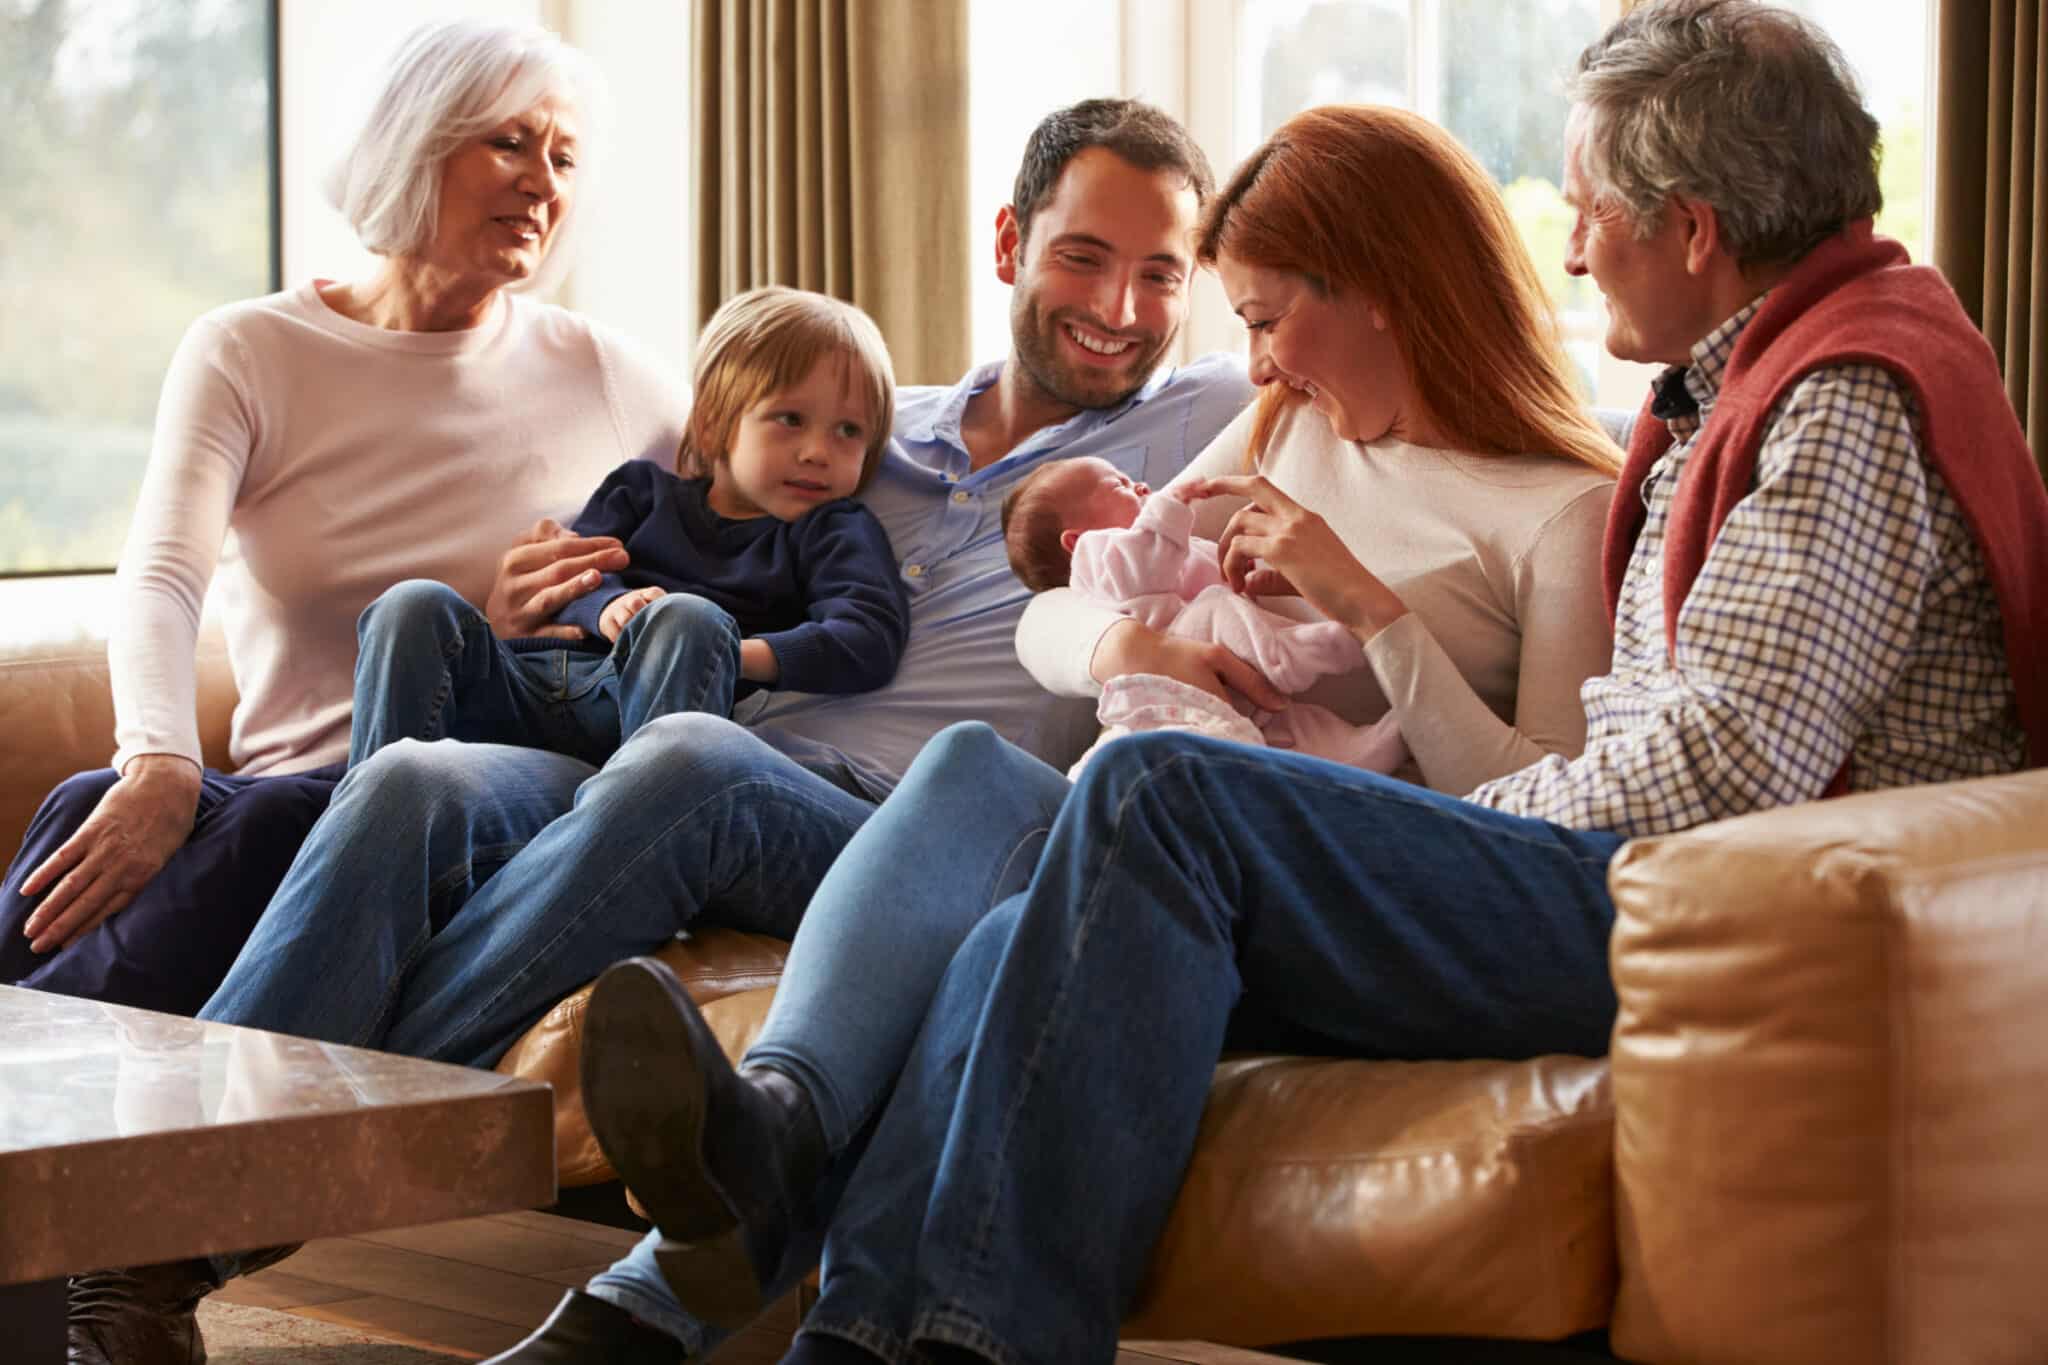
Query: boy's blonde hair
x=1032 y=529
x=769 y=339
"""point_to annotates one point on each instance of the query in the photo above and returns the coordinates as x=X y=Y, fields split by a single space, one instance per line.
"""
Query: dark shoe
x=583 y=1328
x=140 y=1316
x=726 y=1162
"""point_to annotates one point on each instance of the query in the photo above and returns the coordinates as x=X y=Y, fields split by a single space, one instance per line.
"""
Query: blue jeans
x=1192 y=892
x=873 y=948
x=455 y=892
x=429 y=667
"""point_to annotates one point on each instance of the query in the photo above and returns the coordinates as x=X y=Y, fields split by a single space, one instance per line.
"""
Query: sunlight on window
x=1068 y=51
x=1492 y=72
x=138 y=196
x=1887 y=43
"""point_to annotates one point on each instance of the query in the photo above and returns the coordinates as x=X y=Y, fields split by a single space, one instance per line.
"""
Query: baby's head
x=793 y=403
x=1045 y=514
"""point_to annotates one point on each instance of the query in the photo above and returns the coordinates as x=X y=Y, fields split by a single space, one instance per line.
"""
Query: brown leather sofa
x=1823 y=1134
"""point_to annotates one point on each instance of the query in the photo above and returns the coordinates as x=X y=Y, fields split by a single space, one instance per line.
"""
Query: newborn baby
x=1083 y=524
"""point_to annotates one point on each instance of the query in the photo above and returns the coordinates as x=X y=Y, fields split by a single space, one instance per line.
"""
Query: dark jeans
x=175 y=941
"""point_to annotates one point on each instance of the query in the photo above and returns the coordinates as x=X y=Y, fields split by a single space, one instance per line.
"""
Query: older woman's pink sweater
x=304 y=462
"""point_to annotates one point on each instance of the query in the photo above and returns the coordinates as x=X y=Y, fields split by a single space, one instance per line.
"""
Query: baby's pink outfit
x=1162 y=574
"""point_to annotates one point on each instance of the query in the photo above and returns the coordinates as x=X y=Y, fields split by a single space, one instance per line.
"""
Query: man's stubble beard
x=1035 y=340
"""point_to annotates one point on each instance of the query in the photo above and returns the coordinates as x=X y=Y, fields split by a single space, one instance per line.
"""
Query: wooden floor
x=474 y=1288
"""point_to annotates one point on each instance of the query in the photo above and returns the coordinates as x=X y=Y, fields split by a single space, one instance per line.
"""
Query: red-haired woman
x=955 y=1031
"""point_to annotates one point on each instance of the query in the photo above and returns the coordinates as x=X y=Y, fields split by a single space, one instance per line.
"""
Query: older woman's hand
x=144 y=818
x=1273 y=545
x=1134 y=647
x=547 y=569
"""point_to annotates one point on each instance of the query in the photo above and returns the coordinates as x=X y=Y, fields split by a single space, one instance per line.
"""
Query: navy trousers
x=174 y=942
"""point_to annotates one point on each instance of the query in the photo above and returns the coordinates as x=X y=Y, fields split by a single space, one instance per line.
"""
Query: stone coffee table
x=129 y=1137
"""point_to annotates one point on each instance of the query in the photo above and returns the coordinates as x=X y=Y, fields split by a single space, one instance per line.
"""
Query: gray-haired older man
x=1831 y=528
x=1829 y=570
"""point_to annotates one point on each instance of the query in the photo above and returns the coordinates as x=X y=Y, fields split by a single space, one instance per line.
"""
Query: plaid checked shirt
x=1843 y=612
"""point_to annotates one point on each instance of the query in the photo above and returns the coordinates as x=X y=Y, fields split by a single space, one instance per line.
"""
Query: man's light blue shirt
x=944 y=523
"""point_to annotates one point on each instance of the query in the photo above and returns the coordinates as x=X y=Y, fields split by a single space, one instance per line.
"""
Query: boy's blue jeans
x=429 y=667
x=1011 y=1063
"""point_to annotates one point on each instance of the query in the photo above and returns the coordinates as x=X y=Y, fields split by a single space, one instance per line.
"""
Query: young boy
x=751 y=568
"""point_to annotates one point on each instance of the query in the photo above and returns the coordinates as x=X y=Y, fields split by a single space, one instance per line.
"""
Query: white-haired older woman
x=312 y=448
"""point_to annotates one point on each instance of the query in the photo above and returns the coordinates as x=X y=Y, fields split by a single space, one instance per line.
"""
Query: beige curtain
x=1991 y=188
x=831 y=154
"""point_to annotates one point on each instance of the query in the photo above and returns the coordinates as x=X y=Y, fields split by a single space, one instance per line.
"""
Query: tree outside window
x=136 y=136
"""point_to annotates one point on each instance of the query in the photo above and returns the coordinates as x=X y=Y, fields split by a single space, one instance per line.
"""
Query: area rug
x=240 y=1335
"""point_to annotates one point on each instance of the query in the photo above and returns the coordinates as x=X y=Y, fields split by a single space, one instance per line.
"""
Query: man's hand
x=546 y=570
x=624 y=608
x=143 y=819
x=1133 y=647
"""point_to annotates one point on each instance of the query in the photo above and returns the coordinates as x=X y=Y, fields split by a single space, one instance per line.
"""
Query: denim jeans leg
x=875 y=944
x=679 y=653
x=693 y=819
x=408 y=839
x=429 y=667
x=871 y=1287
x=1183 y=877
x=970 y=818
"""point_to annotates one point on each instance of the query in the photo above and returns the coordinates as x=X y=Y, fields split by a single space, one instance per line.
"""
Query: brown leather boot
x=143 y=1315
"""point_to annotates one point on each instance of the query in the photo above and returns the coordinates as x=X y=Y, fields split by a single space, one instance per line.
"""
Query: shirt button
x=913 y=571
x=960 y=495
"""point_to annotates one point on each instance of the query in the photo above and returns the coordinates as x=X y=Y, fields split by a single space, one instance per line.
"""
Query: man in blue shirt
x=558 y=870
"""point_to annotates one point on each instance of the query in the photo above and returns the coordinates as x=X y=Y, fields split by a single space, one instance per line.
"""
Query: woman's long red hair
x=1380 y=204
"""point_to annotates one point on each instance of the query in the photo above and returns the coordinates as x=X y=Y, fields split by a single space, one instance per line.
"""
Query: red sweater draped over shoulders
x=1857 y=299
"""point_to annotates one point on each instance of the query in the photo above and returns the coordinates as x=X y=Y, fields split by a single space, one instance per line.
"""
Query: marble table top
x=128 y=1137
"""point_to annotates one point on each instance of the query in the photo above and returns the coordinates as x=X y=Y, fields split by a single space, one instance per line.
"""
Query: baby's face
x=1095 y=495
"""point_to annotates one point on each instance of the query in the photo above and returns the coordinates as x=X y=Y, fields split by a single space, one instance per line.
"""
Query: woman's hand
x=546 y=570
x=1273 y=545
x=1134 y=647
x=143 y=819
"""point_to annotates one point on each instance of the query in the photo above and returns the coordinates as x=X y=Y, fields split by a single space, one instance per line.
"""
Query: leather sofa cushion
x=1325 y=1198
x=1831 y=1076
x=1338 y=1198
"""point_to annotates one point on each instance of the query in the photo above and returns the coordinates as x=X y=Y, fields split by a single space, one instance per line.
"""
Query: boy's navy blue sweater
x=822 y=590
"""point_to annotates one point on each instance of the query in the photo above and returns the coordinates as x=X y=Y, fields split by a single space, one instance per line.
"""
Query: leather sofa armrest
x=1830 y=1074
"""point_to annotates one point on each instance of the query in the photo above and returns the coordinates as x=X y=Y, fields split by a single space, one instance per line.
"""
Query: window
x=1021 y=70
x=138 y=138
x=1490 y=71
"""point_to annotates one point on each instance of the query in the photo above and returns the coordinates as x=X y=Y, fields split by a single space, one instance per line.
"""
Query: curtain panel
x=1991 y=192
x=831 y=154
